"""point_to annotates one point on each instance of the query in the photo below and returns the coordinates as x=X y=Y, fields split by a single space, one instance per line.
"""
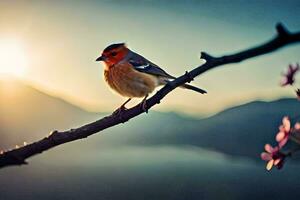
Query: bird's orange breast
x=129 y=82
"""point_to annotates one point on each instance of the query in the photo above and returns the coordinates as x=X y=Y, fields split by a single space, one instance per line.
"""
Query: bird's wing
x=145 y=66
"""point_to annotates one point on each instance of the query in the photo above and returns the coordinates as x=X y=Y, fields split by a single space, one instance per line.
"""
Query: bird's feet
x=120 y=110
x=144 y=106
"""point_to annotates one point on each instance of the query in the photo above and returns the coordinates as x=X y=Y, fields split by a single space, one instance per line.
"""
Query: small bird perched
x=132 y=75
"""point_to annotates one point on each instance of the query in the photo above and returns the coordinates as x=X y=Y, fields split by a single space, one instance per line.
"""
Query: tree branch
x=18 y=155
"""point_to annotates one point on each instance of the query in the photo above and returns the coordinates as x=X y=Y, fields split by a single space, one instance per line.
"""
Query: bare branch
x=281 y=30
x=18 y=156
x=206 y=56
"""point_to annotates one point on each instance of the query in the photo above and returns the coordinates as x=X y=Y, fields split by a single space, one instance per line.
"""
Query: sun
x=13 y=60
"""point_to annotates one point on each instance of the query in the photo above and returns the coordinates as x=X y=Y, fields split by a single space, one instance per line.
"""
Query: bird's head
x=113 y=54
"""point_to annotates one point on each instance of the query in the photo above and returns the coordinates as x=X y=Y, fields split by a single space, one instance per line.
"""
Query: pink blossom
x=289 y=77
x=296 y=133
x=284 y=132
x=297 y=127
x=273 y=156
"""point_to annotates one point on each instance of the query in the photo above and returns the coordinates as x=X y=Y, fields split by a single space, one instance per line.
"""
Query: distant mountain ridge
x=238 y=131
x=27 y=114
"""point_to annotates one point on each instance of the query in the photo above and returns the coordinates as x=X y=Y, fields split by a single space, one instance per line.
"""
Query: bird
x=133 y=76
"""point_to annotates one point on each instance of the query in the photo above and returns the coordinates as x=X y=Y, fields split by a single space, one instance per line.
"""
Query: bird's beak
x=101 y=58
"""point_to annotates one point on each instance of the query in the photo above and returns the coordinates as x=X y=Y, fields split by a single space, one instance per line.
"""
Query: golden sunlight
x=13 y=60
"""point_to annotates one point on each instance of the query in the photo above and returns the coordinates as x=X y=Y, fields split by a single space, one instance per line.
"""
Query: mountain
x=237 y=131
x=27 y=114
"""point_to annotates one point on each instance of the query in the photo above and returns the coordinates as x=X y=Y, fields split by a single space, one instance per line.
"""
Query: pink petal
x=277 y=161
x=297 y=126
x=269 y=148
x=265 y=156
x=283 y=142
x=280 y=136
x=270 y=165
x=286 y=123
x=281 y=128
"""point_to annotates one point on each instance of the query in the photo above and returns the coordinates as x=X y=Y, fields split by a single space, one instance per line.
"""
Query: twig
x=19 y=155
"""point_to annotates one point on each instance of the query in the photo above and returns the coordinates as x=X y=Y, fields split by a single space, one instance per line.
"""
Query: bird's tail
x=190 y=87
x=186 y=86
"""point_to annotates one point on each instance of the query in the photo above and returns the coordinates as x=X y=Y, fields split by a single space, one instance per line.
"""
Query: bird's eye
x=113 y=53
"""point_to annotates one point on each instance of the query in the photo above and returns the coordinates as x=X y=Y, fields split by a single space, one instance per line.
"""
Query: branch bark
x=18 y=155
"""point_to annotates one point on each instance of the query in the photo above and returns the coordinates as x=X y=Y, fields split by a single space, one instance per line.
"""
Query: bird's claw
x=144 y=106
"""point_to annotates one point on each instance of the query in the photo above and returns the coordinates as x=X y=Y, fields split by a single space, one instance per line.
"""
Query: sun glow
x=13 y=60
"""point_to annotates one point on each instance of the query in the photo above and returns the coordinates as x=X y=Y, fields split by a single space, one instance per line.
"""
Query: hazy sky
x=62 y=39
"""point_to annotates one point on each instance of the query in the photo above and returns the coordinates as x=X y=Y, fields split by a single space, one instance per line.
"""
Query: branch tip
x=282 y=30
x=206 y=56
